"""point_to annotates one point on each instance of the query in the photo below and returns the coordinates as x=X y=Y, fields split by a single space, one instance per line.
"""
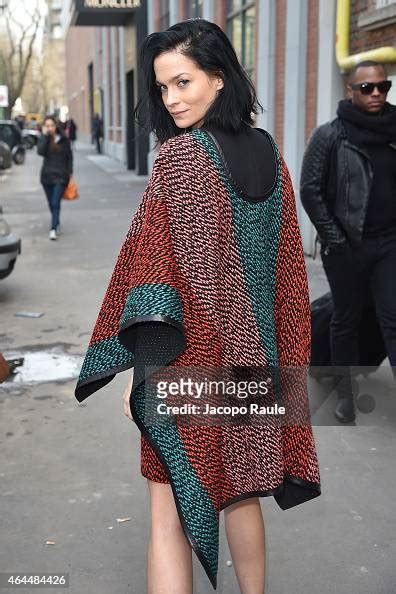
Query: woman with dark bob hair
x=209 y=298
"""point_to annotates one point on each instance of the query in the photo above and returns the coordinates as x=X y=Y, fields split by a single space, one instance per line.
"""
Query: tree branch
x=17 y=62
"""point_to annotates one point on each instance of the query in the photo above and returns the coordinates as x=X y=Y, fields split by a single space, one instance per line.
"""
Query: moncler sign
x=112 y=3
x=105 y=13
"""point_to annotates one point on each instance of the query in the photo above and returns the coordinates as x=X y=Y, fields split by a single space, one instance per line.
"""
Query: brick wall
x=360 y=39
x=80 y=51
x=280 y=72
x=53 y=74
x=312 y=68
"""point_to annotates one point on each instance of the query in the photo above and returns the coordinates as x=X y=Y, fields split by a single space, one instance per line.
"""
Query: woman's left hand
x=126 y=396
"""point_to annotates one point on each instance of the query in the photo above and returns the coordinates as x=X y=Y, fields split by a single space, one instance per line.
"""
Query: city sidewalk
x=109 y=164
x=70 y=472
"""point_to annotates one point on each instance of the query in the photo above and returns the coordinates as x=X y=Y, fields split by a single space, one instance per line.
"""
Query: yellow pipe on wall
x=346 y=61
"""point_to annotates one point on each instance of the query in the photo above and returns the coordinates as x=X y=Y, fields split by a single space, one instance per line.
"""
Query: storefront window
x=241 y=19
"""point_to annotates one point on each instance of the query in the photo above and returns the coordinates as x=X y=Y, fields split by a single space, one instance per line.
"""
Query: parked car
x=10 y=247
x=5 y=156
x=32 y=120
x=30 y=137
x=11 y=134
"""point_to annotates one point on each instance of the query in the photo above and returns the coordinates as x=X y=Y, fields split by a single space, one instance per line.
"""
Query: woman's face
x=50 y=126
x=185 y=88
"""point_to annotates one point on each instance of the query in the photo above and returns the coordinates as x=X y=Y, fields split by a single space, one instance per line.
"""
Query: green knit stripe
x=257 y=228
x=104 y=356
x=151 y=299
x=199 y=513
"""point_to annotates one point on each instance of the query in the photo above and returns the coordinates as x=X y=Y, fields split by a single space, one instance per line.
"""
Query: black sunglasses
x=366 y=88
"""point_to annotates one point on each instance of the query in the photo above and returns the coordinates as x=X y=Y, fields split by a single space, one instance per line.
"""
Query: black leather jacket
x=335 y=184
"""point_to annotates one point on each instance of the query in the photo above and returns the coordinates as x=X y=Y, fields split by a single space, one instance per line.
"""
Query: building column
x=208 y=11
x=330 y=85
x=97 y=75
x=106 y=89
x=329 y=89
x=173 y=12
x=151 y=29
x=295 y=103
x=265 y=66
x=151 y=16
x=123 y=94
x=142 y=138
x=113 y=148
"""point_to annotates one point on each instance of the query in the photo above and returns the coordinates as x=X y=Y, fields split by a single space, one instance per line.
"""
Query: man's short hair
x=365 y=63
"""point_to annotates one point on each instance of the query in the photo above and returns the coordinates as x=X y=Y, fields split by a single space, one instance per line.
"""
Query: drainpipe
x=344 y=59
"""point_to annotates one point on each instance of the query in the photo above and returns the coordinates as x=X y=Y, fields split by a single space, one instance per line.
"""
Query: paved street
x=69 y=471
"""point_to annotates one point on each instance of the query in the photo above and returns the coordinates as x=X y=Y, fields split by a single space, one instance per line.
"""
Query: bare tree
x=17 y=48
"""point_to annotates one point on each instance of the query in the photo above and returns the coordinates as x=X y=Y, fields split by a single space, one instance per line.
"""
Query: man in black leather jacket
x=348 y=189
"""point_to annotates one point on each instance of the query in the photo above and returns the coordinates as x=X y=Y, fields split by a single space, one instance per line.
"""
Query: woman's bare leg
x=245 y=532
x=169 y=563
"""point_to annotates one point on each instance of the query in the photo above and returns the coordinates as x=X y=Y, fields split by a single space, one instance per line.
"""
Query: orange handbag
x=71 y=190
x=5 y=370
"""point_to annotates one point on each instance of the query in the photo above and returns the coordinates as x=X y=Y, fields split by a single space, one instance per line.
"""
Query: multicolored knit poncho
x=208 y=279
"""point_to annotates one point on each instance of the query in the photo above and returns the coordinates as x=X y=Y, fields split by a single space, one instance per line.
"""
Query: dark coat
x=58 y=165
x=335 y=185
x=97 y=127
x=71 y=126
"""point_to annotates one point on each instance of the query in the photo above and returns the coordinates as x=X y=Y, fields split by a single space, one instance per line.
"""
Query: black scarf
x=368 y=128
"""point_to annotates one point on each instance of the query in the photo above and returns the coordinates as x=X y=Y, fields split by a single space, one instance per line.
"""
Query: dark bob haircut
x=209 y=47
x=365 y=64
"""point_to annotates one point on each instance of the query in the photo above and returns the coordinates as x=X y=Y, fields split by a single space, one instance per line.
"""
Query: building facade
x=52 y=74
x=288 y=47
x=102 y=40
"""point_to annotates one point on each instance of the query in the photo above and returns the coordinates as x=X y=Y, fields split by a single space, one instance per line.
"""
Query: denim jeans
x=54 y=194
x=98 y=141
x=352 y=272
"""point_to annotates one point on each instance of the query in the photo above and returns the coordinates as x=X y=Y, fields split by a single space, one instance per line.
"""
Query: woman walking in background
x=56 y=170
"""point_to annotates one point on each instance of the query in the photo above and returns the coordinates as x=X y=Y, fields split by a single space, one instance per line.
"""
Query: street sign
x=111 y=4
x=104 y=12
x=3 y=96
